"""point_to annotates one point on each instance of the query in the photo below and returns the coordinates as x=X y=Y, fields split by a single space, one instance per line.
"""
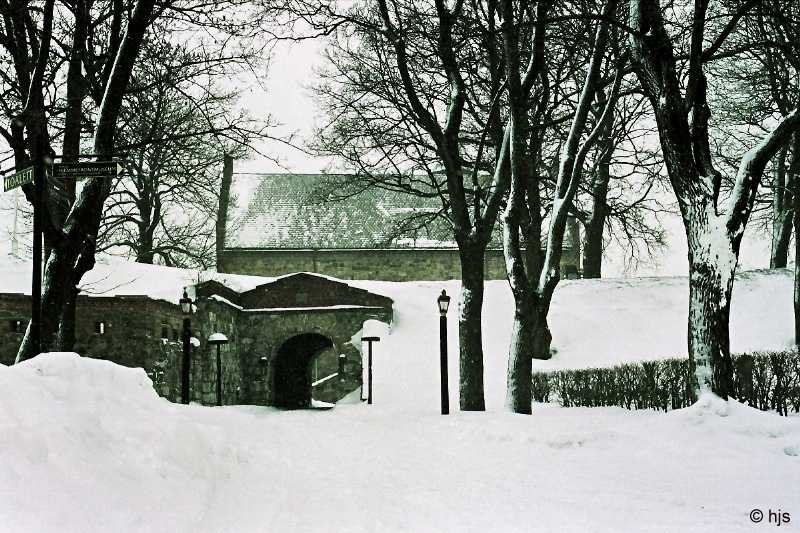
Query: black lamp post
x=218 y=339
x=186 y=309
x=444 y=304
x=369 y=341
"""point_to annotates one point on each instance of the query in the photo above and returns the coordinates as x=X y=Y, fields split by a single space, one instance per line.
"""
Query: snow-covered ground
x=87 y=446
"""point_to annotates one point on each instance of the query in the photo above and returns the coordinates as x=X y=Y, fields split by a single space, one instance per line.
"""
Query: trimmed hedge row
x=764 y=380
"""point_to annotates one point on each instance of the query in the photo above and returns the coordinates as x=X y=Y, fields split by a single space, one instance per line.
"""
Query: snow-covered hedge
x=764 y=380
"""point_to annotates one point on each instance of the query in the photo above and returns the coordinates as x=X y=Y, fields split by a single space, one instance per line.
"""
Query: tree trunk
x=146 y=257
x=66 y=328
x=796 y=280
x=782 y=234
x=593 y=240
x=795 y=181
x=222 y=210
x=542 y=337
x=593 y=251
x=518 y=380
x=712 y=264
x=54 y=296
x=469 y=329
x=781 y=217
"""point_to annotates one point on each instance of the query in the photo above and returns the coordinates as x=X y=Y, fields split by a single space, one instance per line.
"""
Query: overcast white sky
x=288 y=100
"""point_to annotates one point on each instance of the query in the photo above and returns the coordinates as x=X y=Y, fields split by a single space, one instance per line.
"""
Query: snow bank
x=87 y=445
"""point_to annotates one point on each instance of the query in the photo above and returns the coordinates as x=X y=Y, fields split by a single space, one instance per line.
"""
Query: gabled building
x=298 y=223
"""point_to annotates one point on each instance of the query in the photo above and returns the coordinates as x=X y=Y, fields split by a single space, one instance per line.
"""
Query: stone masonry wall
x=132 y=329
x=216 y=317
x=139 y=332
x=389 y=264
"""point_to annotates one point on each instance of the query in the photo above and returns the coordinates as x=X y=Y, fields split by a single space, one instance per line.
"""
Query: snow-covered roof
x=310 y=211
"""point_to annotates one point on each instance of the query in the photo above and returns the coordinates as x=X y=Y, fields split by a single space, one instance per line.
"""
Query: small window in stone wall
x=17 y=325
x=100 y=328
x=175 y=335
x=164 y=331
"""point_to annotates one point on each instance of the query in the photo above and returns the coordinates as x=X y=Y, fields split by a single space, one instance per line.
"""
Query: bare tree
x=714 y=225
x=760 y=82
x=620 y=201
x=163 y=209
x=533 y=277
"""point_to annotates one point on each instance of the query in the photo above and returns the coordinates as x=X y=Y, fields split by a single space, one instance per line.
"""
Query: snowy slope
x=594 y=322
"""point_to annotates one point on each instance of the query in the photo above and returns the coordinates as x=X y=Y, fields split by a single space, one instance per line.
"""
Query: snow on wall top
x=309 y=211
x=117 y=277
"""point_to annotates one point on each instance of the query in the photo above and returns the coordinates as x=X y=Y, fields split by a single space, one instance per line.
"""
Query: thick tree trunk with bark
x=145 y=252
x=470 y=331
x=712 y=265
x=796 y=223
x=518 y=380
x=66 y=328
x=797 y=277
x=542 y=338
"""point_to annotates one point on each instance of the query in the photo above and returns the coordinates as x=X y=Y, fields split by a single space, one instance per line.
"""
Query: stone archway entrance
x=292 y=370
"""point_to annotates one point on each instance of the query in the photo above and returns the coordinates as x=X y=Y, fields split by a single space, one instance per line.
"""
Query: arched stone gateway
x=292 y=340
x=292 y=373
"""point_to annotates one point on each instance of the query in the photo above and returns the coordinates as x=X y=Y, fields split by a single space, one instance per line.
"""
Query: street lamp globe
x=217 y=339
x=186 y=303
x=444 y=303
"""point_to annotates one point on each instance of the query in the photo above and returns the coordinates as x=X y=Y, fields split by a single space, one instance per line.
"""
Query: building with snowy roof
x=306 y=223
x=291 y=340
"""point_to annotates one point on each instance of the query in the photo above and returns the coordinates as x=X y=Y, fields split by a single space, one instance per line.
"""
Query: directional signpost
x=98 y=169
x=17 y=180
